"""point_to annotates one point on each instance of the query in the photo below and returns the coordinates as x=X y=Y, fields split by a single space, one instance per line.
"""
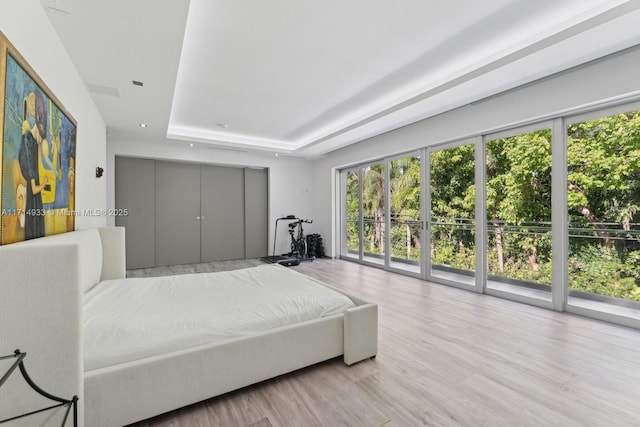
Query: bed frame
x=41 y=286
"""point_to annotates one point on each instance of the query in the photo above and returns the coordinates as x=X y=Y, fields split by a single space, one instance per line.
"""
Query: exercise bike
x=298 y=240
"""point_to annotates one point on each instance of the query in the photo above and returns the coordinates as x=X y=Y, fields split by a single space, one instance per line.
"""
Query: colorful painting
x=38 y=151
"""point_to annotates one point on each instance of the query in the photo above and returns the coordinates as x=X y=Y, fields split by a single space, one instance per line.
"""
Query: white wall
x=27 y=26
x=616 y=76
x=290 y=179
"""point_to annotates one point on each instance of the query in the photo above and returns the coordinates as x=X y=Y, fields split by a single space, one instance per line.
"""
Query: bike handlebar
x=293 y=224
x=294 y=219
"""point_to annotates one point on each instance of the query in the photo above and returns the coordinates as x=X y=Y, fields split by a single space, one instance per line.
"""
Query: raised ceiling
x=308 y=77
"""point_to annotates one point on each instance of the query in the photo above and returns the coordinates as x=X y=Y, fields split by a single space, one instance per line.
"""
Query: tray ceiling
x=307 y=78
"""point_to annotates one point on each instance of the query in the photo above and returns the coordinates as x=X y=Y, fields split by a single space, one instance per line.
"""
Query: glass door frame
x=388 y=265
x=478 y=285
x=559 y=123
x=555 y=294
x=617 y=316
x=344 y=250
x=362 y=255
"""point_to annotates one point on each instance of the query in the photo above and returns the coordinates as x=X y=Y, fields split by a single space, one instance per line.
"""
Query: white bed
x=130 y=319
x=63 y=315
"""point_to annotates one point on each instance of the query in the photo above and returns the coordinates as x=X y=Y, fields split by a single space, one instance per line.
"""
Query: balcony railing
x=604 y=258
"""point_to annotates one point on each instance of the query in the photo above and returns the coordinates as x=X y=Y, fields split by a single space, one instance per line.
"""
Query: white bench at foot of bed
x=50 y=297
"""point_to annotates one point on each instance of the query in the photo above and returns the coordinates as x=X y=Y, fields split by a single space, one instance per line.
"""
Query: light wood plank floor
x=447 y=357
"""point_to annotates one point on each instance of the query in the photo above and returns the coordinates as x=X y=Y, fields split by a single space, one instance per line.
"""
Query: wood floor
x=447 y=357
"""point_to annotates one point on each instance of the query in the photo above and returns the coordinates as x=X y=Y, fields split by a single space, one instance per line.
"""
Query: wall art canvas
x=38 y=151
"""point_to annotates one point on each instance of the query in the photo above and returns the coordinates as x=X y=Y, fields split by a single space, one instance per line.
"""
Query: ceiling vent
x=103 y=90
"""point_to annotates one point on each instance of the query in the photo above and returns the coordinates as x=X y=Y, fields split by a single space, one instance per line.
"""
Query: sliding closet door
x=186 y=213
x=222 y=195
x=256 y=218
x=135 y=195
x=177 y=213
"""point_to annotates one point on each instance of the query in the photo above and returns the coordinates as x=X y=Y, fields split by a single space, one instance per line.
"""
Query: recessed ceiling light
x=143 y=125
x=191 y=145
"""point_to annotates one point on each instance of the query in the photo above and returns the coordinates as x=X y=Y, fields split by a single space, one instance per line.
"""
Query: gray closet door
x=177 y=213
x=222 y=198
x=256 y=203
x=134 y=191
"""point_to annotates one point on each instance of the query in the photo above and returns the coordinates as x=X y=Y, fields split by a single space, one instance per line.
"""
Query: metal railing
x=625 y=237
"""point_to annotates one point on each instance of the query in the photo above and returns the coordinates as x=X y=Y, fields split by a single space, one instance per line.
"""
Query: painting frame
x=38 y=153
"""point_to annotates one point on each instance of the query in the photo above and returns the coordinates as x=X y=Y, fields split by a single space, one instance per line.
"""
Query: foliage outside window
x=353 y=213
x=373 y=209
x=603 y=199
x=404 y=175
x=518 y=194
x=453 y=195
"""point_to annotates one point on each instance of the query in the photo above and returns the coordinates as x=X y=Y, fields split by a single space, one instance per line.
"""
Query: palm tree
x=405 y=197
x=373 y=203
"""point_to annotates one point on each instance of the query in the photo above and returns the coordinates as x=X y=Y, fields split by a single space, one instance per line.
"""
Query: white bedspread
x=129 y=319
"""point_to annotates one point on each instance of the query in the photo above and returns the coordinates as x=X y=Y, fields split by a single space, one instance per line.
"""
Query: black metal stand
x=69 y=404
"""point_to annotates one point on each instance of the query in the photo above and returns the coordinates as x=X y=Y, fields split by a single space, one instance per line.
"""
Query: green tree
x=452 y=208
x=603 y=164
x=604 y=171
x=353 y=210
x=373 y=207
x=519 y=190
x=405 y=207
x=603 y=157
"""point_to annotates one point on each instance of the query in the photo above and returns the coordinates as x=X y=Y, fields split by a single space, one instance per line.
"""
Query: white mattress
x=129 y=319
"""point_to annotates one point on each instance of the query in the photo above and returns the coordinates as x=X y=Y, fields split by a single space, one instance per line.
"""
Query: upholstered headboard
x=100 y=251
x=41 y=286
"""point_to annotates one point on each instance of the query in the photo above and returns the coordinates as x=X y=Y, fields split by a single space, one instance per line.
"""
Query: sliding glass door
x=374 y=213
x=603 y=202
x=381 y=219
x=518 y=214
x=451 y=223
x=568 y=240
x=350 y=202
x=405 y=224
